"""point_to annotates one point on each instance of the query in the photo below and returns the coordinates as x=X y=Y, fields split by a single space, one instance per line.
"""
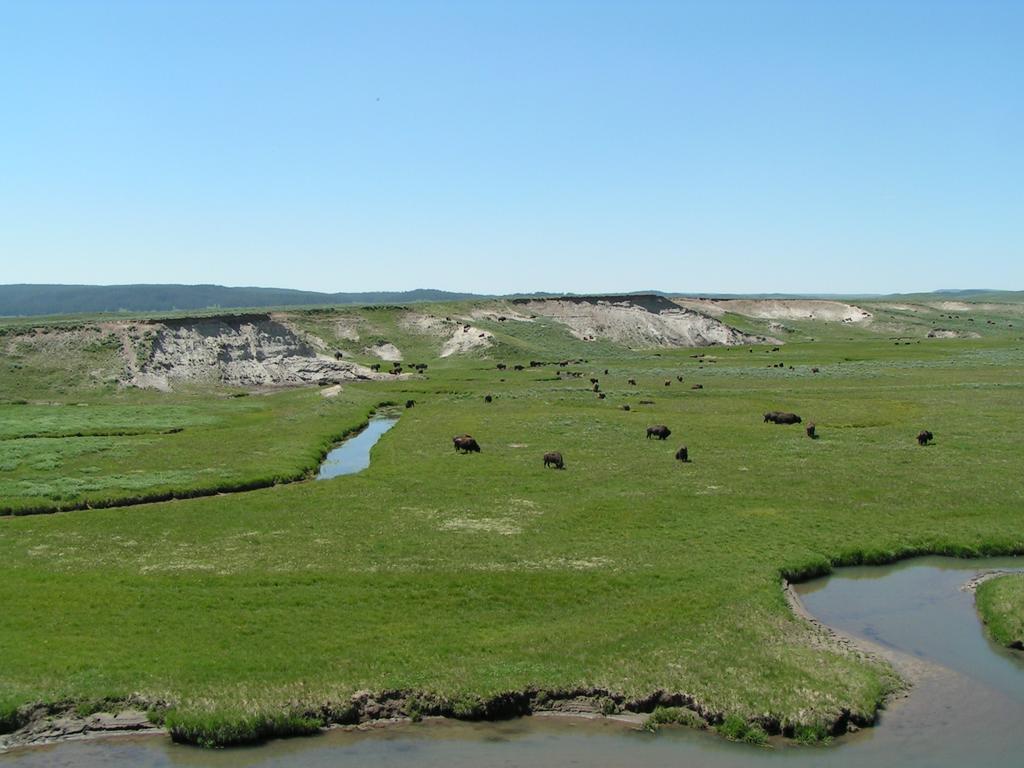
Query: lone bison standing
x=924 y=437
x=683 y=455
x=809 y=429
x=781 y=417
x=465 y=444
x=659 y=431
x=554 y=459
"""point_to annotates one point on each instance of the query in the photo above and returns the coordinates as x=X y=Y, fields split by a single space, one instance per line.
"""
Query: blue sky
x=500 y=147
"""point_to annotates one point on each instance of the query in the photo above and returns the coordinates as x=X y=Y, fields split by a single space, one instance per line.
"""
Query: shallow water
x=966 y=708
x=353 y=455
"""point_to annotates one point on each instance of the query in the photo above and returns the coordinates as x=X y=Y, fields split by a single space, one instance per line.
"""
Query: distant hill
x=24 y=299
x=28 y=299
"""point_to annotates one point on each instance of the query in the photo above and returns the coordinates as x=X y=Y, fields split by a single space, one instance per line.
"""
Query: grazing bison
x=488 y=398
x=465 y=444
x=683 y=455
x=781 y=417
x=809 y=429
x=632 y=382
x=501 y=366
x=625 y=407
x=375 y=367
x=518 y=367
x=605 y=371
x=554 y=459
x=410 y=403
x=600 y=395
x=679 y=379
x=924 y=437
x=593 y=380
x=659 y=431
x=697 y=386
x=646 y=402
x=814 y=370
x=668 y=383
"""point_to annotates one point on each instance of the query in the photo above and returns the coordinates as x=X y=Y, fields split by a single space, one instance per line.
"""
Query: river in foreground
x=966 y=707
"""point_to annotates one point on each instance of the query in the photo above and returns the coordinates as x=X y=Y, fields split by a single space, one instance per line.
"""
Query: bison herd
x=467 y=443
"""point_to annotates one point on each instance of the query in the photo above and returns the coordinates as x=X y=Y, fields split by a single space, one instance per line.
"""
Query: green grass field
x=1001 y=606
x=460 y=577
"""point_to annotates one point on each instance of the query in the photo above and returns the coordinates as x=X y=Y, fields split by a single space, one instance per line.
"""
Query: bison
x=668 y=383
x=659 y=431
x=625 y=407
x=488 y=398
x=683 y=455
x=697 y=386
x=924 y=437
x=465 y=444
x=554 y=459
x=781 y=417
x=600 y=395
x=518 y=367
x=410 y=403
x=631 y=382
x=501 y=366
x=809 y=429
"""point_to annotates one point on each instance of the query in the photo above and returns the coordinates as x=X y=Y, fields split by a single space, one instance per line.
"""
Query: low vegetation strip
x=474 y=578
x=1000 y=603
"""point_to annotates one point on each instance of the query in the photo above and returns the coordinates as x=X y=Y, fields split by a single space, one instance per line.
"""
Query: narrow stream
x=353 y=455
x=966 y=707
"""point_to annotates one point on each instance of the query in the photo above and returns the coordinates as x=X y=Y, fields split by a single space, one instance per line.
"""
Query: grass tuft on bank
x=1000 y=603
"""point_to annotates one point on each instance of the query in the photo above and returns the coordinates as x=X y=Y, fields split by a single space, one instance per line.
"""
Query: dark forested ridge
x=27 y=299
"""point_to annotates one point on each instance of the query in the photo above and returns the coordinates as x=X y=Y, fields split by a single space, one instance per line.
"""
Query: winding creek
x=353 y=455
x=966 y=707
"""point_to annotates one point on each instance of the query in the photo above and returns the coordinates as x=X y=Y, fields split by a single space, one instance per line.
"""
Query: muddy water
x=966 y=707
x=353 y=455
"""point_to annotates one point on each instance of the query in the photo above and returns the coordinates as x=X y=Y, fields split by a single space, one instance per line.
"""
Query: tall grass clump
x=225 y=729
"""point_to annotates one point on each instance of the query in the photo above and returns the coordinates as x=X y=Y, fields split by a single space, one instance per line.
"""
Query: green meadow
x=457 y=578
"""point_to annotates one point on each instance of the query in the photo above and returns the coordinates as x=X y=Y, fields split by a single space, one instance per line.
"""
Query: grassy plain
x=460 y=577
x=1000 y=603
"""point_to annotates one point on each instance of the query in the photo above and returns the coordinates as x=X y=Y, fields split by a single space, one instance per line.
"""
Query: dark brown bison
x=814 y=370
x=518 y=367
x=632 y=382
x=554 y=459
x=781 y=417
x=488 y=398
x=465 y=444
x=679 y=379
x=682 y=454
x=600 y=395
x=625 y=407
x=809 y=429
x=593 y=380
x=659 y=431
x=375 y=367
x=697 y=386
x=924 y=437
x=668 y=383
x=597 y=387
x=646 y=402
x=501 y=366
x=410 y=403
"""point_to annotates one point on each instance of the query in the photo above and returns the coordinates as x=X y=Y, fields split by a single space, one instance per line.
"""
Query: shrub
x=735 y=728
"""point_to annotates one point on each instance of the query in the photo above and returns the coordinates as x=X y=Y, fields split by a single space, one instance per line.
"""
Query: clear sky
x=818 y=146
